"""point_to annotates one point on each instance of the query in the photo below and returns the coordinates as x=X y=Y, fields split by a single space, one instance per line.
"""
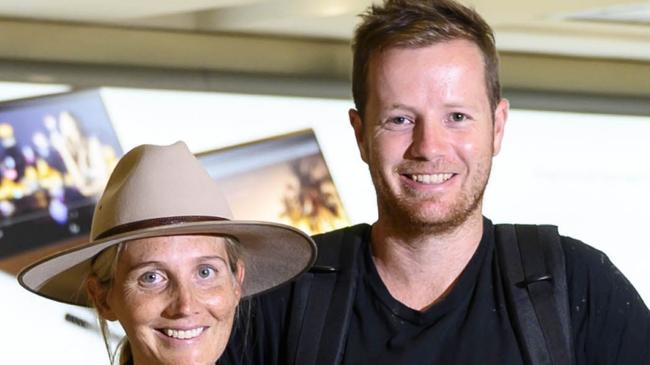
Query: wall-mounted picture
x=282 y=179
x=56 y=153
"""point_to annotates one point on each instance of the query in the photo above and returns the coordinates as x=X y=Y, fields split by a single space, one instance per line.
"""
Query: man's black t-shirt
x=610 y=323
x=469 y=326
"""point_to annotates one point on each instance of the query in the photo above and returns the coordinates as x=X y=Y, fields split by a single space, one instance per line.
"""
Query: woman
x=166 y=260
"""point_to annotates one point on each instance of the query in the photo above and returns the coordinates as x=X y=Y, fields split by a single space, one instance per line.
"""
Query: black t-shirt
x=610 y=322
x=469 y=326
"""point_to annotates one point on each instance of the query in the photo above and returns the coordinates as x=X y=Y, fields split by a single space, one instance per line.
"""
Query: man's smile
x=430 y=179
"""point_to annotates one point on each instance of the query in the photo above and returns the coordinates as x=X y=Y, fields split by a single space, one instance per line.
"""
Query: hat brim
x=272 y=253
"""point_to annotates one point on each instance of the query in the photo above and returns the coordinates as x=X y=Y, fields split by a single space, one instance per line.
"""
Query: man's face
x=429 y=133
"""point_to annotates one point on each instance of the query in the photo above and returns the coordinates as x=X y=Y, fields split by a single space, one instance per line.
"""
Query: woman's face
x=176 y=297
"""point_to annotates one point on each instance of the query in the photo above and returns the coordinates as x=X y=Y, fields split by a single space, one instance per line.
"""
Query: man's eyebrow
x=455 y=104
x=400 y=106
x=450 y=104
x=461 y=104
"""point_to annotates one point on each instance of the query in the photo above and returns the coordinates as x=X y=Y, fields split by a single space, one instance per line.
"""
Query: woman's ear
x=239 y=277
x=98 y=293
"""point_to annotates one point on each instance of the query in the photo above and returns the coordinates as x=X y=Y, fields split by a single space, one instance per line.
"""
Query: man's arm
x=611 y=323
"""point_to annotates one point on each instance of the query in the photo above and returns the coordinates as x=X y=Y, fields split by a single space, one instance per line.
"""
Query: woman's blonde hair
x=103 y=268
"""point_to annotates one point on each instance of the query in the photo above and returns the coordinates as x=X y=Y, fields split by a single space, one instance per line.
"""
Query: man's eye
x=150 y=277
x=205 y=272
x=398 y=123
x=458 y=117
x=399 y=120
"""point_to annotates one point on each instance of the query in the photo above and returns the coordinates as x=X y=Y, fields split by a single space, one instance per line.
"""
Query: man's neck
x=420 y=269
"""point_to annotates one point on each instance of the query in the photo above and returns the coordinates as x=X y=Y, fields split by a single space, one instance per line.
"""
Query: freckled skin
x=178 y=282
x=428 y=112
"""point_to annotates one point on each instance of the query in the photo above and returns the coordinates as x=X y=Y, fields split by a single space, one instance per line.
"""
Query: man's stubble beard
x=405 y=215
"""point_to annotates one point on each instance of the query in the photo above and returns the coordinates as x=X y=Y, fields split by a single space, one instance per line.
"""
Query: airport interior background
x=260 y=89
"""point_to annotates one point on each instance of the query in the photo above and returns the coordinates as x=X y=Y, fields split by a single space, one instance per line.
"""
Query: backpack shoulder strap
x=325 y=296
x=534 y=276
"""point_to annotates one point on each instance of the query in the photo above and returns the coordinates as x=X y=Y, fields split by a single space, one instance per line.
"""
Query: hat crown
x=157 y=182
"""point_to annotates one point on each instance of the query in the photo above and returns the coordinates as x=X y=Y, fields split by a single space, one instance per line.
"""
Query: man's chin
x=428 y=219
x=432 y=224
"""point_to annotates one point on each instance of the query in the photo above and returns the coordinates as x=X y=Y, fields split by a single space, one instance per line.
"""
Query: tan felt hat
x=162 y=191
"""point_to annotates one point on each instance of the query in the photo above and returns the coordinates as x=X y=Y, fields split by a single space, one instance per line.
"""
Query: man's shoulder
x=358 y=230
x=575 y=251
x=580 y=253
x=585 y=265
x=332 y=244
x=594 y=281
x=584 y=261
x=608 y=315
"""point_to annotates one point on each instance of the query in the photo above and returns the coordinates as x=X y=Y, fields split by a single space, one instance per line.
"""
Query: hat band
x=155 y=222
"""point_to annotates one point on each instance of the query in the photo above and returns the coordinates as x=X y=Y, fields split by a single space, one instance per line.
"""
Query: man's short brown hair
x=415 y=24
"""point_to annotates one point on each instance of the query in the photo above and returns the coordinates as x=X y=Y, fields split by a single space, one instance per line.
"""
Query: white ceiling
x=521 y=26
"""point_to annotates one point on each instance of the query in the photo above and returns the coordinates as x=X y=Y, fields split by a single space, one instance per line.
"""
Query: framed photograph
x=282 y=179
x=56 y=153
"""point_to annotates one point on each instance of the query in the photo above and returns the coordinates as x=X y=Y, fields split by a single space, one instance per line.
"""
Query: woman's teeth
x=183 y=335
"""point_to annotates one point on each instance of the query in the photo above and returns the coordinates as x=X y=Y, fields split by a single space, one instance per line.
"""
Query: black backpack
x=533 y=271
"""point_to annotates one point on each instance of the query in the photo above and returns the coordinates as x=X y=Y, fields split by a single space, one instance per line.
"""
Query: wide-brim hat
x=163 y=191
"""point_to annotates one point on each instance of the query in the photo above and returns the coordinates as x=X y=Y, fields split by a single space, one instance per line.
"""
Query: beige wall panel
x=104 y=46
x=68 y=43
x=577 y=75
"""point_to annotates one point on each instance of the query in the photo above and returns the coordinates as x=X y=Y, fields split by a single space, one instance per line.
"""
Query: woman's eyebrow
x=142 y=264
x=155 y=263
x=210 y=258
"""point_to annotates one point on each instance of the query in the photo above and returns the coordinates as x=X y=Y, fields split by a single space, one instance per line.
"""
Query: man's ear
x=357 y=125
x=98 y=293
x=500 y=118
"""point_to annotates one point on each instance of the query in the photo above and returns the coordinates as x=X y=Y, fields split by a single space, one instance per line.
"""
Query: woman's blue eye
x=205 y=272
x=150 y=277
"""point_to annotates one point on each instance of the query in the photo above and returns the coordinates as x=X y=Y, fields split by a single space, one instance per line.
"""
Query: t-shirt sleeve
x=611 y=323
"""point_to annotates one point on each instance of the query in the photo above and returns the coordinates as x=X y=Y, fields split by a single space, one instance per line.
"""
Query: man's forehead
x=447 y=48
x=449 y=67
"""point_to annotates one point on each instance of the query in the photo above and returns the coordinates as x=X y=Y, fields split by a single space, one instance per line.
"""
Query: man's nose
x=429 y=140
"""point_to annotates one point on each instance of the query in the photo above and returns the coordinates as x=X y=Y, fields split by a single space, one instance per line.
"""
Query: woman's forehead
x=177 y=247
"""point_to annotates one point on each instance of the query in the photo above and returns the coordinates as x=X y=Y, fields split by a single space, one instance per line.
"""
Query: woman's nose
x=182 y=301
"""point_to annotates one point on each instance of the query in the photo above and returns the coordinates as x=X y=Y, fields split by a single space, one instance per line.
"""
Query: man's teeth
x=183 y=335
x=431 y=179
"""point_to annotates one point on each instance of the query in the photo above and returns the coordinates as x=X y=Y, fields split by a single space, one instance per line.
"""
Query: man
x=425 y=283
